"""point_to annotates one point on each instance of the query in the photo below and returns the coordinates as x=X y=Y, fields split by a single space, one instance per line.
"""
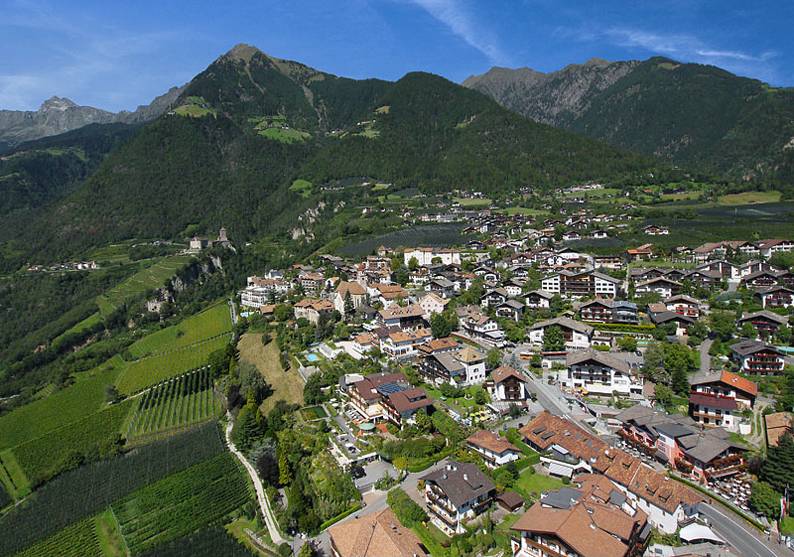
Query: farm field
x=43 y=457
x=88 y=490
x=182 y=502
x=288 y=135
x=148 y=278
x=472 y=202
x=209 y=323
x=523 y=211
x=750 y=197
x=207 y=542
x=286 y=386
x=186 y=400
x=78 y=540
x=152 y=370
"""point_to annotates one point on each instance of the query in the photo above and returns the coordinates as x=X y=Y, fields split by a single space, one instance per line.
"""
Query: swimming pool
x=312 y=357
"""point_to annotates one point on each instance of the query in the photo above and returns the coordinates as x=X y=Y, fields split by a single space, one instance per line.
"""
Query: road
x=705 y=357
x=746 y=539
x=264 y=504
x=233 y=312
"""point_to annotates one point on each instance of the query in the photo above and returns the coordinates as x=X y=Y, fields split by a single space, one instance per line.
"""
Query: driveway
x=705 y=357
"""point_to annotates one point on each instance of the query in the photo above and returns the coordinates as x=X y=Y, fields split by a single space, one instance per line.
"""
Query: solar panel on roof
x=390 y=388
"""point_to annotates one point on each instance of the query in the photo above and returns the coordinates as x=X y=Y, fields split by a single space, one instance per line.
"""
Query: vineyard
x=153 y=370
x=185 y=400
x=5 y=498
x=77 y=540
x=87 y=490
x=207 y=324
x=182 y=503
x=208 y=542
x=95 y=435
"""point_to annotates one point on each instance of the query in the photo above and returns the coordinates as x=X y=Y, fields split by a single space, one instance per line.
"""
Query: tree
x=664 y=394
x=247 y=427
x=765 y=500
x=284 y=472
x=778 y=470
x=722 y=324
x=748 y=331
x=627 y=343
x=263 y=454
x=307 y=550
x=282 y=312
x=493 y=358
x=423 y=422
x=439 y=325
x=413 y=264
x=480 y=396
x=112 y=394
x=349 y=306
x=553 y=339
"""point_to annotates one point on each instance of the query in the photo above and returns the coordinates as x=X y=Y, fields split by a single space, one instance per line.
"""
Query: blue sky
x=116 y=55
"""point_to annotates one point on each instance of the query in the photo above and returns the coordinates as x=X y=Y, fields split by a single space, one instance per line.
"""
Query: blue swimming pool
x=312 y=357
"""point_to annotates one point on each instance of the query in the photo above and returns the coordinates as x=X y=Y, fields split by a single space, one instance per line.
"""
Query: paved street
x=746 y=539
x=705 y=357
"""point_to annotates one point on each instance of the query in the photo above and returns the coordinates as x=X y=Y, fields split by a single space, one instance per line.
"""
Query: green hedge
x=340 y=516
x=622 y=327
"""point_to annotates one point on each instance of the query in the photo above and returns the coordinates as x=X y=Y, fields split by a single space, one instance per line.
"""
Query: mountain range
x=689 y=114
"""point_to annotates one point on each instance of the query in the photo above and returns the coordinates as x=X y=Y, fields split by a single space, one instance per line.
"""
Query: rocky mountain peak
x=242 y=52
x=57 y=104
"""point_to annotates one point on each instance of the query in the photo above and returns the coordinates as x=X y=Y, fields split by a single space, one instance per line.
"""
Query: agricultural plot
x=38 y=418
x=182 y=503
x=156 y=369
x=186 y=400
x=77 y=540
x=207 y=324
x=88 y=490
x=97 y=434
x=12 y=478
x=207 y=542
x=149 y=278
x=5 y=498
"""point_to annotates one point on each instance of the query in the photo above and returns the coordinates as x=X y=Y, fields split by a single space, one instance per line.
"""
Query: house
x=762 y=280
x=776 y=297
x=755 y=357
x=766 y=323
x=441 y=286
x=312 y=309
x=455 y=494
x=714 y=411
x=375 y=535
x=655 y=230
x=767 y=248
x=437 y=346
x=402 y=317
x=364 y=343
x=727 y=385
x=462 y=367
x=586 y=283
x=366 y=394
x=478 y=325
x=778 y=424
x=494 y=450
x=577 y=335
x=600 y=373
x=312 y=283
x=351 y=294
x=510 y=309
x=643 y=252
x=698 y=278
x=429 y=256
x=432 y=303
x=402 y=344
x=613 y=262
x=661 y=318
x=538 y=299
x=604 y=310
x=494 y=297
x=661 y=285
x=400 y=407
x=388 y=294
x=574 y=523
x=683 y=305
x=508 y=385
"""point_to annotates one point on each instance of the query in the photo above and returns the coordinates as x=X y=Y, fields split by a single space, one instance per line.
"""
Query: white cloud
x=461 y=23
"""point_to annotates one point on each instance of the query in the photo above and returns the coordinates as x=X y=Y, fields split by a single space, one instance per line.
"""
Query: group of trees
x=775 y=477
x=670 y=364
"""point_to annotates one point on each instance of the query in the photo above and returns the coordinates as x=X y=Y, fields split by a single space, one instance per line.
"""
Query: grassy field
x=14 y=481
x=152 y=370
x=109 y=535
x=184 y=401
x=749 y=197
x=531 y=485
x=148 y=278
x=526 y=211
x=209 y=323
x=288 y=135
x=472 y=202
x=302 y=187
x=286 y=386
x=787 y=526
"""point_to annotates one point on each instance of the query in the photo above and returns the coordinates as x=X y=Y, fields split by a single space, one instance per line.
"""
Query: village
x=592 y=404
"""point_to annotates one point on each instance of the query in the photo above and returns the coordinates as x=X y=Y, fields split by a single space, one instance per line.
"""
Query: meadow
x=209 y=323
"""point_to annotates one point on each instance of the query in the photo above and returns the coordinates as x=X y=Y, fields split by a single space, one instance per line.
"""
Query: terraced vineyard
x=186 y=400
x=207 y=324
x=208 y=542
x=182 y=503
x=77 y=540
x=148 y=372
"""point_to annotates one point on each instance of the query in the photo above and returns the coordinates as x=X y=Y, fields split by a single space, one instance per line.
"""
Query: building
x=494 y=297
x=402 y=345
x=778 y=424
x=605 y=310
x=776 y=297
x=577 y=335
x=508 y=385
x=375 y=535
x=584 y=284
x=600 y=373
x=312 y=309
x=494 y=450
x=455 y=494
x=366 y=394
x=461 y=368
x=312 y=283
x=351 y=294
x=766 y=323
x=640 y=253
x=761 y=280
x=755 y=357
x=403 y=317
x=538 y=299
x=683 y=305
x=663 y=286
x=432 y=303
x=430 y=256
x=400 y=407
x=478 y=325
x=727 y=385
x=655 y=230
x=510 y=309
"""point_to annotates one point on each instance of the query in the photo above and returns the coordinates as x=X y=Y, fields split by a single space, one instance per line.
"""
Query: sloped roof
x=731 y=379
x=503 y=372
x=461 y=482
x=599 y=357
x=490 y=441
x=376 y=535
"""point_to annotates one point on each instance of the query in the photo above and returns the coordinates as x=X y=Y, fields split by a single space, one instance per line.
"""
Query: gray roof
x=449 y=361
x=565 y=322
x=673 y=429
x=602 y=358
x=563 y=498
x=460 y=482
x=515 y=304
x=747 y=347
x=779 y=319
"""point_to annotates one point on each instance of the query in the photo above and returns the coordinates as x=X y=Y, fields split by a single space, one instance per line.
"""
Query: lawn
x=313 y=413
x=787 y=526
x=209 y=323
x=109 y=535
x=531 y=485
x=285 y=135
x=301 y=187
x=526 y=211
x=750 y=197
x=472 y=202
x=286 y=386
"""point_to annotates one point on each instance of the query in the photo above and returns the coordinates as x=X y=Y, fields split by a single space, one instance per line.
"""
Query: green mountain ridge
x=689 y=114
x=209 y=161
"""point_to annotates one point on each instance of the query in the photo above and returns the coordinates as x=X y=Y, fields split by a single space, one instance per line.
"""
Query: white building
x=577 y=335
x=494 y=450
x=425 y=256
x=600 y=373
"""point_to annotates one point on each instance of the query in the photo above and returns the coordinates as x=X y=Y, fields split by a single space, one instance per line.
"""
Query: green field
x=749 y=197
x=78 y=540
x=182 y=503
x=153 y=370
x=531 y=485
x=471 y=203
x=285 y=135
x=152 y=277
x=302 y=187
x=44 y=457
x=526 y=211
x=209 y=323
x=186 y=400
x=195 y=107
x=12 y=478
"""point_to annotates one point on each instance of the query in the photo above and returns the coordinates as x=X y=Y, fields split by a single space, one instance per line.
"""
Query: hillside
x=249 y=125
x=686 y=113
